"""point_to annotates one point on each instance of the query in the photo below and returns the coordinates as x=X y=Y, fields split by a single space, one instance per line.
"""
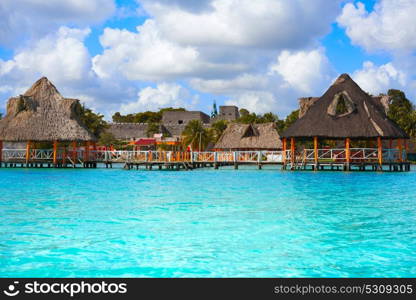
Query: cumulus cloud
x=255 y=101
x=378 y=79
x=147 y=55
x=62 y=56
x=223 y=86
x=246 y=23
x=34 y=18
x=163 y=95
x=307 y=71
x=390 y=26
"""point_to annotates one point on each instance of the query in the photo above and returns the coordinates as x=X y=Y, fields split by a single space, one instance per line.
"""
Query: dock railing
x=254 y=157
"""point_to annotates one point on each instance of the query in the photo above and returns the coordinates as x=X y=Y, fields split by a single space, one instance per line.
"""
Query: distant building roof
x=250 y=136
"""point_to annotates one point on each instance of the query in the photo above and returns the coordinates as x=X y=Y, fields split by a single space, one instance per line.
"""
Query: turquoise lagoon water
x=206 y=223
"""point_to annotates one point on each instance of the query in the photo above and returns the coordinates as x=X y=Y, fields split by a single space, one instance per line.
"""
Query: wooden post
x=380 y=151
x=27 y=151
x=292 y=150
x=1 y=151
x=74 y=152
x=315 y=149
x=347 y=150
x=55 y=152
x=87 y=151
x=400 y=147
x=284 y=145
x=406 y=149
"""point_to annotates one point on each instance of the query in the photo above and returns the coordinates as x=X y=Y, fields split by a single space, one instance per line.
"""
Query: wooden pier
x=352 y=159
x=359 y=159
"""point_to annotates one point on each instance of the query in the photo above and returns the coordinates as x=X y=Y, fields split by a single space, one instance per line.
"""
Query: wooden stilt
x=315 y=149
x=380 y=151
x=87 y=152
x=74 y=152
x=55 y=152
x=284 y=145
x=347 y=152
x=400 y=147
x=292 y=150
x=1 y=151
x=28 y=152
x=406 y=149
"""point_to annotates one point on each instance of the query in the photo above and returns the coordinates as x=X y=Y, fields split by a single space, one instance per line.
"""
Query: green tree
x=243 y=112
x=402 y=111
x=268 y=117
x=196 y=135
x=217 y=129
x=152 y=128
x=93 y=121
x=107 y=139
x=289 y=120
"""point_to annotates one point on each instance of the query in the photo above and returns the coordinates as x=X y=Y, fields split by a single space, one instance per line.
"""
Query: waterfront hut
x=249 y=137
x=42 y=115
x=344 y=113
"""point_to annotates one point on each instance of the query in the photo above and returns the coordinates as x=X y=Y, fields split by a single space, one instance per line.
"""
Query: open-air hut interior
x=241 y=137
x=345 y=113
x=42 y=115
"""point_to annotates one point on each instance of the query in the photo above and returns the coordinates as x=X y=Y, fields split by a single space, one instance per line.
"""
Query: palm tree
x=195 y=135
x=217 y=129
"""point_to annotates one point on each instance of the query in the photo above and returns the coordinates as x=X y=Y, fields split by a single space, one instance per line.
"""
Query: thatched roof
x=362 y=117
x=42 y=114
x=249 y=136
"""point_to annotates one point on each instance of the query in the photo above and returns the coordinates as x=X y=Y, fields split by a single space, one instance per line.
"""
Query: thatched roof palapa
x=42 y=114
x=362 y=116
x=250 y=136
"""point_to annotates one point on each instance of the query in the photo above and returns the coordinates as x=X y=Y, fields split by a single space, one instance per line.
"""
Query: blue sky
x=132 y=56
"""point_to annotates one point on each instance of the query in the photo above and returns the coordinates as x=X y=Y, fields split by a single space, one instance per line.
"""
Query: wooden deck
x=361 y=159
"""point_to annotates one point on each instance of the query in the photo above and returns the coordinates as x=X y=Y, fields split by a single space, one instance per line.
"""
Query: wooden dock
x=360 y=159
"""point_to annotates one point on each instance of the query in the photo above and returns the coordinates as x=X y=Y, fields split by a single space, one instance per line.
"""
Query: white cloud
x=223 y=86
x=147 y=55
x=35 y=18
x=307 y=71
x=255 y=101
x=390 y=26
x=245 y=23
x=62 y=56
x=378 y=79
x=164 y=95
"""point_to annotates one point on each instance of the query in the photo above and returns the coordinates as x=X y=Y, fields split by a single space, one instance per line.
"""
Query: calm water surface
x=206 y=223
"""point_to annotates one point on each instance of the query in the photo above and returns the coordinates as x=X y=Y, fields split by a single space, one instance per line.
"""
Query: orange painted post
x=400 y=147
x=292 y=149
x=94 y=148
x=1 y=151
x=406 y=149
x=87 y=151
x=380 y=151
x=55 y=152
x=347 y=150
x=284 y=145
x=27 y=151
x=315 y=149
x=74 y=152
x=64 y=157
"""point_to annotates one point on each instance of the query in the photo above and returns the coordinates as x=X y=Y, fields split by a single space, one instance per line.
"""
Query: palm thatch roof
x=249 y=136
x=345 y=110
x=42 y=114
